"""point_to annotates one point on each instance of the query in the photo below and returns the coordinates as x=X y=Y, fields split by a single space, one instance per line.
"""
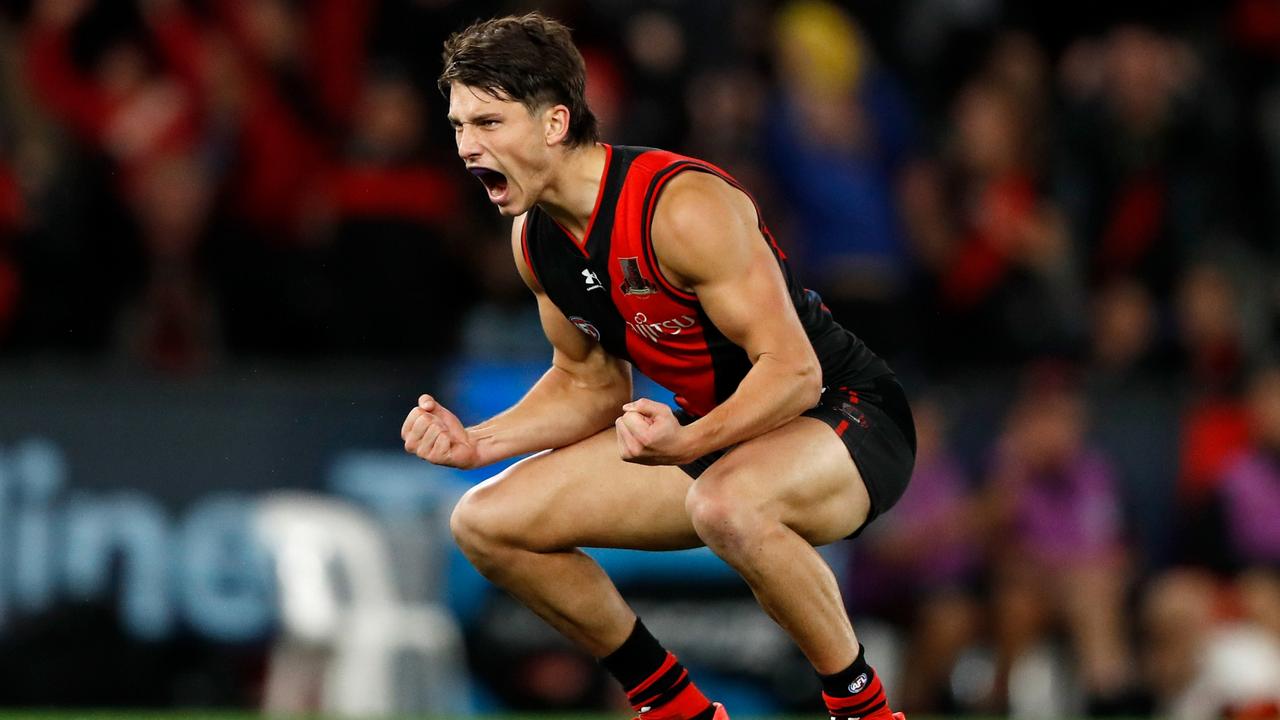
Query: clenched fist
x=434 y=434
x=650 y=434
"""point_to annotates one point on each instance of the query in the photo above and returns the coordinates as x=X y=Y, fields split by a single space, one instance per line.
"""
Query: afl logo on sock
x=858 y=684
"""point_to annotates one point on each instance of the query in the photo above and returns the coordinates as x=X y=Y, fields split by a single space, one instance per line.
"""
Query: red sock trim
x=869 y=703
x=656 y=694
x=687 y=704
x=663 y=668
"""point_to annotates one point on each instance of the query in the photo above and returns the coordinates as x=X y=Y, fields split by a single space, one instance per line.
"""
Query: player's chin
x=513 y=208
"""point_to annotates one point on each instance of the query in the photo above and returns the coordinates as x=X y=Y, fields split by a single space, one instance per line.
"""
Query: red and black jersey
x=612 y=289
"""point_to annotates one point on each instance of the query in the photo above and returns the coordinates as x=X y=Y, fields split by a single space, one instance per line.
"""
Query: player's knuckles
x=634 y=422
x=409 y=420
x=440 y=448
x=419 y=426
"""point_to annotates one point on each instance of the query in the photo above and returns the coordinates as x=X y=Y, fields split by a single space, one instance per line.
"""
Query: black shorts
x=874 y=421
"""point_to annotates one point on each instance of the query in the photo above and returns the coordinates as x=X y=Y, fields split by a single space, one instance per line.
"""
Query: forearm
x=560 y=409
x=771 y=394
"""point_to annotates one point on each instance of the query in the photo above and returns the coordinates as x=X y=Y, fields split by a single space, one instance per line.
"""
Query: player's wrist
x=692 y=442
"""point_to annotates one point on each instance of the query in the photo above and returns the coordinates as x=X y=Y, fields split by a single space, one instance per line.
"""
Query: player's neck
x=570 y=196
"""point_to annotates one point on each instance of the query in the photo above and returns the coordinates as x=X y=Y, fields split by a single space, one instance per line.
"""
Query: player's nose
x=468 y=148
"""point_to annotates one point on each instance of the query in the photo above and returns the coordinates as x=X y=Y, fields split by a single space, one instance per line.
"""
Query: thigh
x=584 y=495
x=800 y=474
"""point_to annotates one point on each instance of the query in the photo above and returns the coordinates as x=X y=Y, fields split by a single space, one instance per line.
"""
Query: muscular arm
x=580 y=395
x=706 y=236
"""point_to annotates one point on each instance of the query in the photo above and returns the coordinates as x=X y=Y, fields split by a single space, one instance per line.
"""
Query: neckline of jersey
x=595 y=210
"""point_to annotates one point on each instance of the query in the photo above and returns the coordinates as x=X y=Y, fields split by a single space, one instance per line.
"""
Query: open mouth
x=494 y=182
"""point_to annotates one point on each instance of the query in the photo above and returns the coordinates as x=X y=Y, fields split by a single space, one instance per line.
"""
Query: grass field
x=201 y=715
x=206 y=715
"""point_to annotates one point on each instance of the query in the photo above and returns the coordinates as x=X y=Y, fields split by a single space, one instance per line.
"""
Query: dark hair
x=529 y=59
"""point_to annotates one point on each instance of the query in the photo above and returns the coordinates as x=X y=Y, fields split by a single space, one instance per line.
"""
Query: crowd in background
x=1058 y=221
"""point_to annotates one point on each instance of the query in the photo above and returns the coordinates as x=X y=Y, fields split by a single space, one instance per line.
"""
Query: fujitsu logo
x=651 y=331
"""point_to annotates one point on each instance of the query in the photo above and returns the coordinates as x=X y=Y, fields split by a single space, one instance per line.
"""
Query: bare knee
x=478 y=528
x=728 y=523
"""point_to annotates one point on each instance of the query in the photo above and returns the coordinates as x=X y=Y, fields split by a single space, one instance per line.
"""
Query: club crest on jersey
x=585 y=326
x=634 y=283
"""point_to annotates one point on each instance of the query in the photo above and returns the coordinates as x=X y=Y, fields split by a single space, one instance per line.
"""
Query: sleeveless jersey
x=611 y=287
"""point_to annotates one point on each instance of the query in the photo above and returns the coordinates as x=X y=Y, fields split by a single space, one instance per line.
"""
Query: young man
x=790 y=432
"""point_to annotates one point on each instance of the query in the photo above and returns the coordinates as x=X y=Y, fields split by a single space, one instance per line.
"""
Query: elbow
x=809 y=381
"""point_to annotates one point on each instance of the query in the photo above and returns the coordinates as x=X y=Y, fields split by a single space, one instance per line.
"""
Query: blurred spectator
x=1212 y=364
x=1201 y=659
x=1250 y=72
x=997 y=251
x=652 y=101
x=1250 y=492
x=1061 y=557
x=295 y=72
x=172 y=324
x=395 y=225
x=919 y=568
x=1213 y=333
x=1231 y=514
x=1129 y=171
x=839 y=138
x=1126 y=342
x=140 y=100
x=1231 y=592
x=1137 y=407
x=24 y=174
x=12 y=218
x=726 y=109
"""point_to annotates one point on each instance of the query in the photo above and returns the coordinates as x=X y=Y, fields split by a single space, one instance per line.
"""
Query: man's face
x=502 y=144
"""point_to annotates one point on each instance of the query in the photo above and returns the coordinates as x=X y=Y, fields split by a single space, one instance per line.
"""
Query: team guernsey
x=611 y=287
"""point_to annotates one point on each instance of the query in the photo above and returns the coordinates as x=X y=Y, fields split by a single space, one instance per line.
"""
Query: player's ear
x=555 y=123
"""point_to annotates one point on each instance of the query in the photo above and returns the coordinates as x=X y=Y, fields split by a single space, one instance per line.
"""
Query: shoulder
x=695 y=202
x=703 y=226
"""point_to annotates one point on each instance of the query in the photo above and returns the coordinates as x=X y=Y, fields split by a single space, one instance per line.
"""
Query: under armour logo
x=593 y=281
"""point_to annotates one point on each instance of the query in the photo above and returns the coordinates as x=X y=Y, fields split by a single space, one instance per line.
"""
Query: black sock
x=638 y=657
x=655 y=682
x=855 y=691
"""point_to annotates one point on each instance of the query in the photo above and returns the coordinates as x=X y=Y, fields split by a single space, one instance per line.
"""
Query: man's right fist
x=434 y=434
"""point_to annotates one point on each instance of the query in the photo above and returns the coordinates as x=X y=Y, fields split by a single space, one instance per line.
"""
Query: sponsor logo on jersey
x=651 y=331
x=633 y=282
x=585 y=326
x=593 y=280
